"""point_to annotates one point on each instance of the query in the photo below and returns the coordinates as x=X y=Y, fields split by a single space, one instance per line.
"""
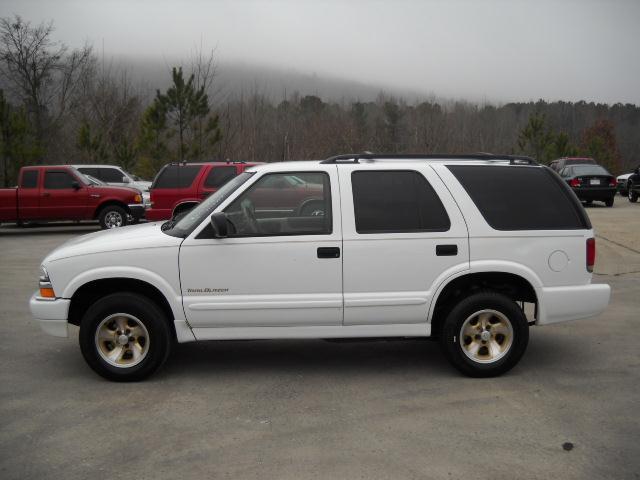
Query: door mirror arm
x=219 y=224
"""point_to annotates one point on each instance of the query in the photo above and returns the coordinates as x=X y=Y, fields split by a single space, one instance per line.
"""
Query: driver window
x=283 y=204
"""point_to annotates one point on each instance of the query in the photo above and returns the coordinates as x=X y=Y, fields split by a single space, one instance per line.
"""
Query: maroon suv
x=180 y=186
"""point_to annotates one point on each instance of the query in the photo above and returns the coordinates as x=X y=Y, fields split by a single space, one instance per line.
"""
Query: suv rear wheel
x=124 y=337
x=485 y=335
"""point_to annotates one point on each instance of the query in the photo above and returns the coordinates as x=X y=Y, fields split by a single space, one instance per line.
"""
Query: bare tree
x=39 y=72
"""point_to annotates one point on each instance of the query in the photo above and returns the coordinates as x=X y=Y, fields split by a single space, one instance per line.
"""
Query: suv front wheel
x=633 y=196
x=485 y=334
x=124 y=337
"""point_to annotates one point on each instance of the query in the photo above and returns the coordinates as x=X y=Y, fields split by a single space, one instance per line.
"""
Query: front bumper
x=51 y=314
x=561 y=304
x=136 y=210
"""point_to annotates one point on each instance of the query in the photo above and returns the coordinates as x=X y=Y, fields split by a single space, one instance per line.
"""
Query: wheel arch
x=107 y=203
x=514 y=285
x=91 y=291
x=182 y=204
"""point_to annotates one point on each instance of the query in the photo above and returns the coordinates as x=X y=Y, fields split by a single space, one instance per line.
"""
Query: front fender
x=136 y=273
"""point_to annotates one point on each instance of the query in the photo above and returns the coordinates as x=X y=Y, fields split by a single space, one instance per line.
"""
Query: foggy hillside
x=235 y=78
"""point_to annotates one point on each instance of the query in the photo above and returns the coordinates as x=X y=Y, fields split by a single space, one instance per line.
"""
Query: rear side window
x=218 y=176
x=176 y=176
x=521 y=198
x=58 y=180
x=396 y=201
x=29 y=179
x=89 y=171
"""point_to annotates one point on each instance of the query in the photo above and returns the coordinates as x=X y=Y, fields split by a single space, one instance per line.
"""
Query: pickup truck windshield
x=194 y=217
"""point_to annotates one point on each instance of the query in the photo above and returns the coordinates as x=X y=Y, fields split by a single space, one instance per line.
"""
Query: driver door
x=280 y=266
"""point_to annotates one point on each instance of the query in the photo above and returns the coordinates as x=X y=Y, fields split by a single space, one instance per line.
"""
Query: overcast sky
x=498 y=50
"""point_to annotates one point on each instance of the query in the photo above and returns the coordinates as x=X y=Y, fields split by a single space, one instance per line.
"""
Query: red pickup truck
x=47 y=193
x=180 y=186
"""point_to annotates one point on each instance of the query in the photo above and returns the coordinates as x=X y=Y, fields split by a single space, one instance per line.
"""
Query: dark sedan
x=591 y=182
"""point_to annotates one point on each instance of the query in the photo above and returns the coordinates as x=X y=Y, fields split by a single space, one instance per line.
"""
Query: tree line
x=62 y=105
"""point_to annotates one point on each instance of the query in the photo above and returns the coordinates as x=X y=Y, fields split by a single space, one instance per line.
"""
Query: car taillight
x=591 y=253
x=575 y=182
x=612 y=182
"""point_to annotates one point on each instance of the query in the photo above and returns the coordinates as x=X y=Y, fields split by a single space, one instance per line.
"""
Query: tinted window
x=521 y=198
x=29 y=179
x=396 y=201
x=577 y=161
x=218 y=176
x=110 y=175
x=272 y=206
x=58 y=180
x=176 y=176
x=89 y=171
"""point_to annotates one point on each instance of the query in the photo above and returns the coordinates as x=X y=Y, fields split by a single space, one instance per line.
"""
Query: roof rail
x=356 y=157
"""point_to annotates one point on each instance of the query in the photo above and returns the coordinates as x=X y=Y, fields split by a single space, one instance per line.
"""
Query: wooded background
x=60 y=105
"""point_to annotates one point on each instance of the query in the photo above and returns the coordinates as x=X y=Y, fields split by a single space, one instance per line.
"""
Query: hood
x=141 y=185
x=145 y=235
x=624 y=176
x=111 y=188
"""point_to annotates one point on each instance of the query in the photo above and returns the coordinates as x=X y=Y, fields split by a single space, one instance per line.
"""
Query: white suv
x=469 y=249
x=114 y=175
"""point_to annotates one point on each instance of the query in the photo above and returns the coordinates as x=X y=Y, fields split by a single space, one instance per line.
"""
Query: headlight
x=44 y=275
x=137 y=198
x=46 y=289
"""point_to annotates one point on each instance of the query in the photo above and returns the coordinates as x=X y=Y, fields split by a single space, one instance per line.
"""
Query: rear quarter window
x=176 y=176
x=521 y=198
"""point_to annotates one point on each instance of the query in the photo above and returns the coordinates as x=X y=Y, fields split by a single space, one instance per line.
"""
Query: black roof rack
x=356 y=157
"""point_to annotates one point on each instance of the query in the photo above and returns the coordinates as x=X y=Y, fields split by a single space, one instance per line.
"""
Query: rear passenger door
x=402 y=234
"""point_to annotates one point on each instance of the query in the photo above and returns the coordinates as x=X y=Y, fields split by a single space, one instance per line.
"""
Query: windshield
x=81 y=176
x=94 y=180
x=194 y=217
x=578 y=170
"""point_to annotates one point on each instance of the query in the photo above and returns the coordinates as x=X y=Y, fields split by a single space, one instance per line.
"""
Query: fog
x=491 y=50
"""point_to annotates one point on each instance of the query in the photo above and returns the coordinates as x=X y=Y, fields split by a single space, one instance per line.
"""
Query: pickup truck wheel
x=485 y=335
x=112 y=216
x=124 y=337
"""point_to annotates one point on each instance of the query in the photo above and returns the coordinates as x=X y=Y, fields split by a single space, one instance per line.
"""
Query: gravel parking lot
x=314 y=409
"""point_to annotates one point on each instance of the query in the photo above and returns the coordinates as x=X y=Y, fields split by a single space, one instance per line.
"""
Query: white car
x=115 y=175
x=622 y=182
x=472 y=250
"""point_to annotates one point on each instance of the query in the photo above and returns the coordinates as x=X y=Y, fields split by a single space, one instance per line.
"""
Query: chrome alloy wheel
x=113 y=219
x=122 y=340
x=486 y=336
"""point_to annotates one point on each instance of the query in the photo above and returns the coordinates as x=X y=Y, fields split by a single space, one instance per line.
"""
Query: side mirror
x=219 y=225
x=126 y=180
x=637 y=171
x=75 y=185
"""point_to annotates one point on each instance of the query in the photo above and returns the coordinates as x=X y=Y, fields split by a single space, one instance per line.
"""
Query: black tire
x=609 y=202
x=158 y=344
x=633 y=196
x=112 y=216
x=452 y=341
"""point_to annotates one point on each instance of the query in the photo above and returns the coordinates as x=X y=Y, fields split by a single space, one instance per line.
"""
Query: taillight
x=575 y=182
x=612 y=182
x=591 y=253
